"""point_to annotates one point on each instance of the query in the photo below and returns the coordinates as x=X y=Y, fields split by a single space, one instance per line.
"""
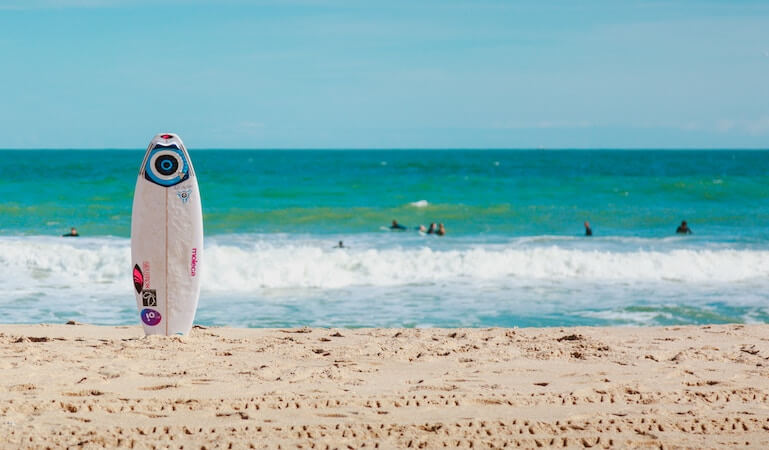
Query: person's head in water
x=441 y=230
x=396 y=226
x=683 y=228
x=588 y=230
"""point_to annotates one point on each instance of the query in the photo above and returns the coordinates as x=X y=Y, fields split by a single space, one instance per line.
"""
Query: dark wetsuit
x=588 y=231
x=683 y=230
x=397 y=227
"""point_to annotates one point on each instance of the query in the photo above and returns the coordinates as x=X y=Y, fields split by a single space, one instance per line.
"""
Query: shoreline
x=109 y=386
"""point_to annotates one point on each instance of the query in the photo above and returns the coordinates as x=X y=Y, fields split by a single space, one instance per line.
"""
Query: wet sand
x=89 y=386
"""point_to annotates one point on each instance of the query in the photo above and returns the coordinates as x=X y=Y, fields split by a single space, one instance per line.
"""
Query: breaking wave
x=44 y=263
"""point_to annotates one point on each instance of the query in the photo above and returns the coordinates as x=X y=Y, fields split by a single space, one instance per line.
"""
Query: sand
x=89 y=386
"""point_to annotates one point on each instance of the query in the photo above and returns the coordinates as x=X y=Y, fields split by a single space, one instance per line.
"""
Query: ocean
x=514 y=254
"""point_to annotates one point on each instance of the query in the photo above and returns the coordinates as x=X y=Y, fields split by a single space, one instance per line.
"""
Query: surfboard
x=166 y=238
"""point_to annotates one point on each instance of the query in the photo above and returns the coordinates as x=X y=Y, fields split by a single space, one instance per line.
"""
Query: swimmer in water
x=441 y=230
x=683 y=228
x=72 y=233
x=588 y=230
x=340 y=245
x=396 y=226
x=432 y=229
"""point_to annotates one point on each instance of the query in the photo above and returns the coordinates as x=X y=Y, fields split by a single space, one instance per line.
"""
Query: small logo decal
x=150 y=317
x=194 y=262
x=184 y=195
x=138 y=279
x=149 y=297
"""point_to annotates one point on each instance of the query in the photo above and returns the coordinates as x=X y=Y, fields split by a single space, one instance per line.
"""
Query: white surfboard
x=166 y=238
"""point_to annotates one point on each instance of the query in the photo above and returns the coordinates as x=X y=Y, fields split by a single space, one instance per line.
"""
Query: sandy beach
x=93 y=386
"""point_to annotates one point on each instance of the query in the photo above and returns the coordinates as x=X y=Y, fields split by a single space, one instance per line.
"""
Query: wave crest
x=45 y=264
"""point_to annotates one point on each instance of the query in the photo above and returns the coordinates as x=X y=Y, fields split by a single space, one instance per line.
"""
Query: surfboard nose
x=161 y=137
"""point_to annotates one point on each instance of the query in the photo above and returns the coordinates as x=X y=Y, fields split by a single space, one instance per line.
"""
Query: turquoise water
x=514 y=254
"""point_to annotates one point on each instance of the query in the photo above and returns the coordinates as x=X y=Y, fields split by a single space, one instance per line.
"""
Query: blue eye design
x=166 y=166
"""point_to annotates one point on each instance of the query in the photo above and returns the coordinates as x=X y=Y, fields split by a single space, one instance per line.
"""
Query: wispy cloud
x=759 y=126
x=754 y=127
x=725 y=125
x=25 y=5
x=544 y=124
x=22 y=5
x=251 y=125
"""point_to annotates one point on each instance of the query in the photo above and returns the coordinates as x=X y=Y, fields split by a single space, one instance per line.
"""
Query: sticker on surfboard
x=150 y=317
x=138 y=279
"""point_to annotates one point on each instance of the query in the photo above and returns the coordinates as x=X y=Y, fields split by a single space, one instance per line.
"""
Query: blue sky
x=396 y=74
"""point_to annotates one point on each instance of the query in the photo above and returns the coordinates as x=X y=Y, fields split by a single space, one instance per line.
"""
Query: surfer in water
x=683 y=228
x=396 y=226
x=432 y=229
x=72 y=233
x=340 y=245
x=441 y=230
x=588 y=230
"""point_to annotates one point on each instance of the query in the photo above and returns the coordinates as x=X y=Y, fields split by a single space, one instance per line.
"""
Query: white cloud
x=725 y=125
x=691 y=126
x=544 y=124
x=67 y=4
x=754 y=127
x=57 y=4
x=758 y=126
x=252 y=125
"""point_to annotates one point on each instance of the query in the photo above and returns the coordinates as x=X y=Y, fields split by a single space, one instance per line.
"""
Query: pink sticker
x=138 y=279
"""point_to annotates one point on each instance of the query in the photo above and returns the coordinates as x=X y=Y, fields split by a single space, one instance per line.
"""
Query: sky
x=394 y=74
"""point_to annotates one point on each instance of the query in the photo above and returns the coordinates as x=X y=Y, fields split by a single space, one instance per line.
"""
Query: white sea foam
x=419 y=204
x=296 y=266
x=33 y=264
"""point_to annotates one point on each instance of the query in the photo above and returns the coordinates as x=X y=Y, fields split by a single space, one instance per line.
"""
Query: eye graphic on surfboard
x=166 y=228
x=166 y=165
